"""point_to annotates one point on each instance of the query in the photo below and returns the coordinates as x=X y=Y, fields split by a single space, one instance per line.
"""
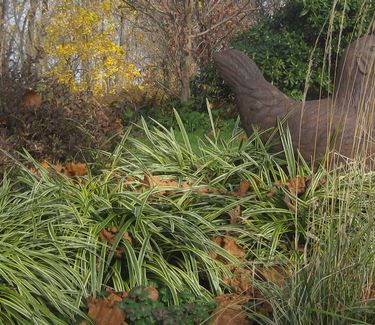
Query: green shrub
x=194 y=116
x=208 y=84
x=141 y=310
x=283 y=45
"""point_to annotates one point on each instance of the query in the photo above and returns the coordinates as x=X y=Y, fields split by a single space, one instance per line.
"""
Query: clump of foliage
x=301 y=33
x=335 y=284
x=208 y=84
x=148 y=212
x=63 y=127
x=80 y=43
x=195 y=120
x=141 y=310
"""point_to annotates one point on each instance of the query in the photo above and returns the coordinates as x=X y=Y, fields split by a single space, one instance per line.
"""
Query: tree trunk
x=3 y=9
x=122 y=40
x=42 y=58
x=30 y=50
x=187 y=55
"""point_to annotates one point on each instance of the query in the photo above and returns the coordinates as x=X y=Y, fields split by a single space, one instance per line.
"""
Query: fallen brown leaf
x=229 y=310
x=31 y=99
x=296 y=185
x=75 y=169
x=230 y=245
x=235 y=215
x=274 y=274
x=153 y=293
x=156 y=181
x=127 y=237
x=105 y=311
x=69 y=169
x=242 y=136
x=109 y=237
x=150 y=181
x=240 y=281
x=289 y=203
x=244 y=188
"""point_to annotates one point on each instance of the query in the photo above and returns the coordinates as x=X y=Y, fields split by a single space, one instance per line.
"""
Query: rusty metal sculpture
x=343 y=123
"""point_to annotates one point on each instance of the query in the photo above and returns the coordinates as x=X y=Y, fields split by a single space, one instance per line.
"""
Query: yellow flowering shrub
x=82 y=51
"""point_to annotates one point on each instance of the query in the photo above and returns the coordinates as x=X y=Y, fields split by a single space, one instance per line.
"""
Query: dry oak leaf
x=46 y=165
x=296 y=185
x=129 y=182
x=243 y=189
x=274 y=274
x=105 y=311
x=52 y=169
x=109 y=237
x=117 y=126
x=69 y=169
x=229 y=310
x=240 y=281
x=75 y=169
x=289 y=204
x=151 y=181
x=230 y=245
x=165 y=182
x=153 y=293
x=31 y=99
x=207 y=190
x=241 y=136
x=235 y=215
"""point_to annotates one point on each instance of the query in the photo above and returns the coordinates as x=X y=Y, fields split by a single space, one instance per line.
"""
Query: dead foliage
x=274 y=274
x=50 y=123
x=242 y=136
x=230 y=311
x=105 y=311
x=168 y=184
x=296 y=186
x=109 y=236
x=229 y=244
x=244 y=187
x=153 y=293
x=235 y=215
x=69 y=169
x=74 y=169
x=150 y=181
x=241 y=280
x=244 y=285
x=31 y=99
